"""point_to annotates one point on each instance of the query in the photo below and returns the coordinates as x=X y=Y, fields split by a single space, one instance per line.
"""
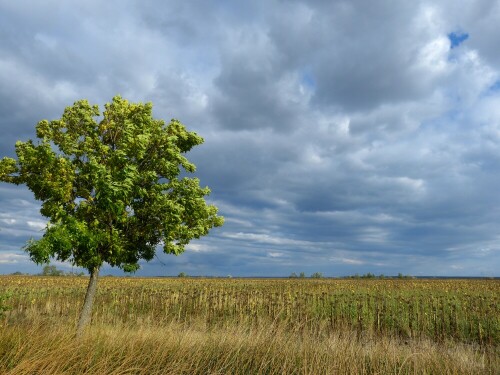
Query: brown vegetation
x=215 y=326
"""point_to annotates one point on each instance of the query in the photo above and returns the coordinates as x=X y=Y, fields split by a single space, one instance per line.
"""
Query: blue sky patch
x=495 y=86
x=308 y=80
x=457 y=38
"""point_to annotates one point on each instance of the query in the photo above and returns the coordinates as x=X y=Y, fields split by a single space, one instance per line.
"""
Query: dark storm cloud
x=253 y=91
x=360 y=54
x=340 y=137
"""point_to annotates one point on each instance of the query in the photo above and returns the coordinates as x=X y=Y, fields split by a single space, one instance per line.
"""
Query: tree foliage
x=51 y=270
x=110 y=186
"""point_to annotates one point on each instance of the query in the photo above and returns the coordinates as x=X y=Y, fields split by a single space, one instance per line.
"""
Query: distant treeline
x=51 y=270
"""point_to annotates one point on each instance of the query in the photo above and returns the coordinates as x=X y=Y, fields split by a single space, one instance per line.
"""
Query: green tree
x=50 y=270
x=111 y=188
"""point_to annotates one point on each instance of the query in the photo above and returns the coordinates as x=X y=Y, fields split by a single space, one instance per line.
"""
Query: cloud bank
x=340 y=137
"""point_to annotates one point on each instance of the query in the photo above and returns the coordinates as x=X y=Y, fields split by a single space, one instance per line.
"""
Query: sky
x=341 y=137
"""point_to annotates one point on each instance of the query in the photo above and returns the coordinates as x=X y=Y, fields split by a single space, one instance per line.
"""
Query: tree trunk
x=86 y=312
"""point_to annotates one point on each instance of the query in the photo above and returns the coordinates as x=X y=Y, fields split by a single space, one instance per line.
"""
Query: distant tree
x=51 y=270
x=110 y=186
x=317 y=275
x=302 y=275
x=293 y=275
x=182 y=274
x=81 y=273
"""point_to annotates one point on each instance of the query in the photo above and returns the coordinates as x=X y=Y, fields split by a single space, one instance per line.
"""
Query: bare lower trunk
x=86 y=312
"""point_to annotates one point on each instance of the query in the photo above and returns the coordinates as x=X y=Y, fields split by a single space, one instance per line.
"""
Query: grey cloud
x=242 y=166
x=252 y=90
x=360 y=54
x=479 y=19
x=20 y=219
x=340 y=137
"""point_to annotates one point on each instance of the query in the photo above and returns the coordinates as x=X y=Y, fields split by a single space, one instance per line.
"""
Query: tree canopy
x=114 y=186
x=111 y=189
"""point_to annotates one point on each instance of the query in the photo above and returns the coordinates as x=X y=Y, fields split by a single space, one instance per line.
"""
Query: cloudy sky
x=341 y=137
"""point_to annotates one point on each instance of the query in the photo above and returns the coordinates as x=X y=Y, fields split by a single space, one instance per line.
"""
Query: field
x=251 y=326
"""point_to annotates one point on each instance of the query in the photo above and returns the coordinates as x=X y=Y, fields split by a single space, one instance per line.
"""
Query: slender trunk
x=86 y=312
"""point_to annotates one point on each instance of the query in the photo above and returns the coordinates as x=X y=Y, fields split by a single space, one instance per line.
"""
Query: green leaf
x=111 y=187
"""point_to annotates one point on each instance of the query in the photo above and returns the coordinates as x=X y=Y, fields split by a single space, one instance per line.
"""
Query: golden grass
x=177 y=349
x=193 y=326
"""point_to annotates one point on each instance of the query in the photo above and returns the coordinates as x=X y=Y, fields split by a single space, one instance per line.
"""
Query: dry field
x=251 y=326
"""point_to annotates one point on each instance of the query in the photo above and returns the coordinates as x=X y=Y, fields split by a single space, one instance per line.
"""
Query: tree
x=51 y=270
x=111 y=189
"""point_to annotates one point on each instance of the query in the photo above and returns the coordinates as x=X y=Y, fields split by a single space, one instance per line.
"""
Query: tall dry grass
x=179 y=349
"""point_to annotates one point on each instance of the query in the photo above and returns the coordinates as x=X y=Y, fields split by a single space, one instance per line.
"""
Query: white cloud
x=432 y=58
x=198 y=247
x=8 y=220
x=38 y=225
x=266 y=239
x=349 y=261
x=12 y=258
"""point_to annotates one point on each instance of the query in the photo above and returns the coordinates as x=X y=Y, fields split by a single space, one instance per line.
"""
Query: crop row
x=460 y=310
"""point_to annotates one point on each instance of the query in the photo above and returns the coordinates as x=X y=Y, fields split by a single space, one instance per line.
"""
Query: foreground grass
x=177 y=349
x=199 y=326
